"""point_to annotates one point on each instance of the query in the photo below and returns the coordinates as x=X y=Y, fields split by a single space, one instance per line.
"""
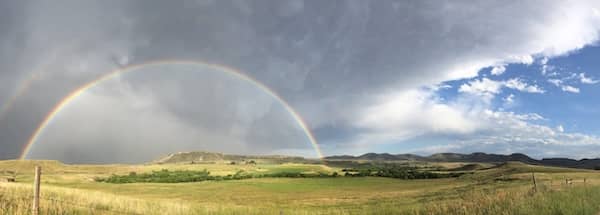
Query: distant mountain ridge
x=475 y=157
x=376 y=157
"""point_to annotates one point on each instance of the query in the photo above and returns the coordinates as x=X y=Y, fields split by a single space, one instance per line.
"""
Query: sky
x=364 y=76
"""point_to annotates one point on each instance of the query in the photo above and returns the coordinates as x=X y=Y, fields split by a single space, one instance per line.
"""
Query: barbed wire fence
x=89 y=207
x=52 y=203
x=55 y=204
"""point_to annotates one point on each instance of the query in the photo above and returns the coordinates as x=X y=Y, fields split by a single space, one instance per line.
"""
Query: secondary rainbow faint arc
x=76 y=93
x=28 y=82
x=23 y=88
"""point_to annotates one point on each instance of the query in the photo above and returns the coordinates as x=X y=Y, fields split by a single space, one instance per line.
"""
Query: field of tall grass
x=572 y=200
x=503 y=190
x=16 y=199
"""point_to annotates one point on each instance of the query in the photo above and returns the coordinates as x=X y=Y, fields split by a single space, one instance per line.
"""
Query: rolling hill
x=477 y=157
x=212 y=157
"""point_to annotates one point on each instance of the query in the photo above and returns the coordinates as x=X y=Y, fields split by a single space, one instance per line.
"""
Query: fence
x=65 y=206
x=90 y=209
x=61 y=204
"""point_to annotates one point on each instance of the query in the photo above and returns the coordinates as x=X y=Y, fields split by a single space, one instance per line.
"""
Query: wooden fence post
x=36 y=190
x=534 y=183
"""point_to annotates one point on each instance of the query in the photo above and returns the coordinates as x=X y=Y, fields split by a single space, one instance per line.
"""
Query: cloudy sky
x=366 y=76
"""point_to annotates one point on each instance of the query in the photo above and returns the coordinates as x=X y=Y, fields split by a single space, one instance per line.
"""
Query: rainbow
x=23 y=88
x=26 y=84
x=231 y=71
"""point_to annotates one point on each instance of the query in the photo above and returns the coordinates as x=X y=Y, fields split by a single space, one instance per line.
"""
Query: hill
x=213 y=157
x=477 y=157
x=572 y=163
x=439 y=157
x=480 y=157
x=376 y=157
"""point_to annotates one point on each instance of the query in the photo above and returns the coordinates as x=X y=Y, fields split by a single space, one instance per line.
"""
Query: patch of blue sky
x=575 y=111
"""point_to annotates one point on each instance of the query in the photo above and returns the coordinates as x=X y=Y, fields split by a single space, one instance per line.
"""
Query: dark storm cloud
x=331 y=53
x=11 y=46
x=47 y=50
x=327 y=58
x=128 y=120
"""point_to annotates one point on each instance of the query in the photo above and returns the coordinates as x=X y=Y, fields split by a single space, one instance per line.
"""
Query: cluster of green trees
x=180 y=176
x=297 y=175
x=392 y=171
x=250 y=162
x=166 y=176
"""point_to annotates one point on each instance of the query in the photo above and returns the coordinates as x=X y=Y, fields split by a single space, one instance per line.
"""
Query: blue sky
x=575 y=111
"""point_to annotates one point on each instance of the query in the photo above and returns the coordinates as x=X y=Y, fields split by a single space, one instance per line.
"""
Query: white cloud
x=586 y=80
x=570 y=89
x=509 y=100
x=457 y=50
x=560 y=128
x=547 y=69
x=524 y=59
x=498 y=70
x=555 y=29
x=519 y=85
x=412 y=112
x=440 y=87
x=408 y=114
x=544 y=61
x=420 y=114
x=487 y=89
x=555 y=82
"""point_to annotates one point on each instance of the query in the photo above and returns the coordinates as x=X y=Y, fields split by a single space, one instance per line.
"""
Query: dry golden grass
x=67 y=189
x=17 y=199
x=524 y=200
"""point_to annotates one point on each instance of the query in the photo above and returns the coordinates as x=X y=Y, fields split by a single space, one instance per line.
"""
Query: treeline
x=180 y=176
x=396 y=171
x=400 y=170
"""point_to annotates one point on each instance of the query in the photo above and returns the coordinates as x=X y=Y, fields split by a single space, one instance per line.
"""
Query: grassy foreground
x=506 y=189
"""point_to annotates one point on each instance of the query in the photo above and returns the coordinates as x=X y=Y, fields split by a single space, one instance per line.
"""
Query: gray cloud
x=328 y=59
x=152 y=111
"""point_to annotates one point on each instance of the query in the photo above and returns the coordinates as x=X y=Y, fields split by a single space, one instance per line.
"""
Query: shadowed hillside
x=477 y=157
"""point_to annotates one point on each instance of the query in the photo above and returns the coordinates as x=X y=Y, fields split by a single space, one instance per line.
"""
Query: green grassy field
x=502 y=189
